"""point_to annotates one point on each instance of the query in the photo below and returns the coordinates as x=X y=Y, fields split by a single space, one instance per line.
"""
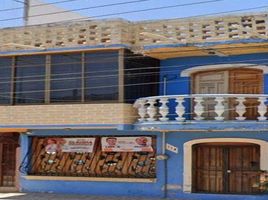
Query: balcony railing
x=218 y=107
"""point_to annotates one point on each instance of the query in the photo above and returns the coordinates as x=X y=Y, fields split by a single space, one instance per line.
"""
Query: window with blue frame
x=101 y=76
x=5 y=80
x=30 y=79
x=66 y=78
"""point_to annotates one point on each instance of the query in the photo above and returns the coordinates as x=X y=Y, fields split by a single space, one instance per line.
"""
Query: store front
x=107 y=156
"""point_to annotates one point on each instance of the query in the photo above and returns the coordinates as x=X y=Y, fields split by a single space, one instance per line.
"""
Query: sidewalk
x=45 y=196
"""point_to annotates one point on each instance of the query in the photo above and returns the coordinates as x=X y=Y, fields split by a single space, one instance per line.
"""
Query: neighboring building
x=71 y=93
x=39 y=12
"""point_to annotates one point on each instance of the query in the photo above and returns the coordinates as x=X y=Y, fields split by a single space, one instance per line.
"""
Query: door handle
x=228 y=171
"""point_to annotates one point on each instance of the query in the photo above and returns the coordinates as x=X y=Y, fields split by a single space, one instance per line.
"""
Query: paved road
x=43 y=196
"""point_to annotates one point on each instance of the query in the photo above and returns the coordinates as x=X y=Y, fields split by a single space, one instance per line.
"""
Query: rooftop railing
x=137 y=35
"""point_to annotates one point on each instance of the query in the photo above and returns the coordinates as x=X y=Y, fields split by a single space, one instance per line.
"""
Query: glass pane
x=66 y=76
x=5 y=80
x=30 y=79
x=101 y=76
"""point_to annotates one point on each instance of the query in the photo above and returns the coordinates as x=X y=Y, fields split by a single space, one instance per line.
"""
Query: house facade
x=170 y=108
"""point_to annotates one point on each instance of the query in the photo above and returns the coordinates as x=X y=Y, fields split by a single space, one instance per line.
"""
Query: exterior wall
x=72 y=114
x=175 y=168
x=181 y=85
x=76 y=186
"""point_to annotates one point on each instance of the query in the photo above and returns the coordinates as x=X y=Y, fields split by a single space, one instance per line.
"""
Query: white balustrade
x=262 y=108
x=240 y=108
x=219 y=108
x=151 y=110
x=142 y=111
x=180 y=109
x=163 y=110
x=198 y=108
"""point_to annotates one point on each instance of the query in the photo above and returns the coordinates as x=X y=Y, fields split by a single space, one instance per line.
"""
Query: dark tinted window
x=30 y=79
x=66 y=76
x=5 y=80
x=101 y=76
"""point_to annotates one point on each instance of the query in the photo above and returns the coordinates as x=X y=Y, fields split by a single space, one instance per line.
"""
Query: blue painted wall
x=171 y=68
x=86 y=187
x=174 y=168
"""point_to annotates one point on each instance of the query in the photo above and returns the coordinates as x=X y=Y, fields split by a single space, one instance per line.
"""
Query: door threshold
x=8 y=189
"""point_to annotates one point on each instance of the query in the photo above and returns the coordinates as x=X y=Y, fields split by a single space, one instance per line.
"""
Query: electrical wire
x=100 y=87
x=152 y=71
x=111 y=57
x=112 y=14
x=176 y=67
x=37 y=5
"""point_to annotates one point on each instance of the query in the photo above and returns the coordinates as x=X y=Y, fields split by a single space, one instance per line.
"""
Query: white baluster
x=151 y=110
x=198 y=108
x=142 y=109
x=240 y=108
x=219 y=108
x=262 y=108
x=164 y=110
x=180 y=109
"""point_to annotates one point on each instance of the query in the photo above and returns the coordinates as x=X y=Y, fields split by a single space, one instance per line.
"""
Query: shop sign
x=83 y=145
x=126 y=144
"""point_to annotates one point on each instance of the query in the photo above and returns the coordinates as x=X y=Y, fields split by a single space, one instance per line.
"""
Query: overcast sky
x=177 y=12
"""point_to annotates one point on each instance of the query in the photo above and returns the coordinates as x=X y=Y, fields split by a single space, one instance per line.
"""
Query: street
x=46 y=196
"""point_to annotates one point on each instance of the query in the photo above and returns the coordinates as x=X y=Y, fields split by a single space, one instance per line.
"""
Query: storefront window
x=129 y=156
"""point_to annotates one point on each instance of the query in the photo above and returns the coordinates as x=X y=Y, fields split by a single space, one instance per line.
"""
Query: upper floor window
x=101 y=76
x=66 y=78
x=30 y=79
x=5 y=80
x=95 y=76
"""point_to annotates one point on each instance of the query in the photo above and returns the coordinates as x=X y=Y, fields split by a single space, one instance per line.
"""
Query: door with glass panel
x=8 y=145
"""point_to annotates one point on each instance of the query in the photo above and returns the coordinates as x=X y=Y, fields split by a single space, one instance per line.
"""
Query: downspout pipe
x=163 y=157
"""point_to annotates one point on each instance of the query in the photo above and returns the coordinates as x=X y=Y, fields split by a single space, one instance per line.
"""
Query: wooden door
x=226 y=168
x=246 y=81
x=213 y=82
x=8 y=145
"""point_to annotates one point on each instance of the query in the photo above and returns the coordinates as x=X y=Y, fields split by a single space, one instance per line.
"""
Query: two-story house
x=169 y=108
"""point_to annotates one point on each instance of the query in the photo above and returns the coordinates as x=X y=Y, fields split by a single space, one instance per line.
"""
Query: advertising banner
x=83 y=145
x=126 y=144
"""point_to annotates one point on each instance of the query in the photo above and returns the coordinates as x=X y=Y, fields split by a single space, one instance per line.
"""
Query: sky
x=167 y=13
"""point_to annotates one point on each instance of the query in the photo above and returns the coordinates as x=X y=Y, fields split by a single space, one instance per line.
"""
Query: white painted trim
x=189 y=71
x=187 y=154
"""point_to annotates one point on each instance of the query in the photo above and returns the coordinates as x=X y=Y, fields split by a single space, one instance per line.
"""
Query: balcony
x=202 y=111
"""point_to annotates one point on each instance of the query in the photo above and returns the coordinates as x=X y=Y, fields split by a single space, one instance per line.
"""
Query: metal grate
x=95 y=164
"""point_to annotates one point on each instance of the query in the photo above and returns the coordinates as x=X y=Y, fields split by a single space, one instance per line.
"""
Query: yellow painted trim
x=12 y=130
x=93 y=179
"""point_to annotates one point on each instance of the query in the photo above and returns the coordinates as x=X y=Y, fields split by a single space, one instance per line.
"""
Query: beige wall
x=110 y=113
